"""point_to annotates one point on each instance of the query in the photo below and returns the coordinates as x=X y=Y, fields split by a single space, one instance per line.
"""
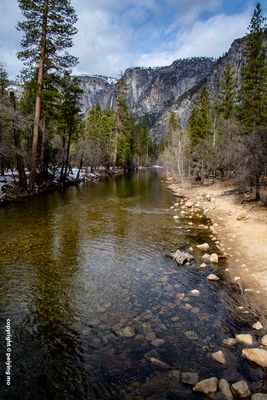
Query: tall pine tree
x=253 y=93
x=44 y=50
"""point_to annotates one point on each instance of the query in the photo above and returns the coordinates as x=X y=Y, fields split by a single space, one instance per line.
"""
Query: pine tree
x=227 y=98
x=44 y=50
x=3 y=87
x=253 y=93
x=199 y=123
x=3 y=79
x=69 y=108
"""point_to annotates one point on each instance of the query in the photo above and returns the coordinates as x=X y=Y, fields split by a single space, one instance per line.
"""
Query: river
x=89 y=291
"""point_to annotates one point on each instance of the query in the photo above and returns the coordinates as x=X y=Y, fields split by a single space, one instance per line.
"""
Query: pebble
x=258 y=356
x=158 y=342
x=191 y=335
x=219 y=357
x=127 y=332
x=207 y=386
x=151 y=336
x=241 y=390
x=213 y=277
x=244 y=338
x=229 y=342
x=158 y=363
x=258 y=326
x=225 y=389
x=139 y=337
x=203 y=246
x=175 y=374
x=214 y=258
x=203 y=265
x=194 y=292
x=264 y=340
x=259 y=396
x=191 y=378
x=206 y=256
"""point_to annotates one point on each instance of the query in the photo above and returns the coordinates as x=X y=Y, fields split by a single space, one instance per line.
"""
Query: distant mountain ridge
x=155 y=92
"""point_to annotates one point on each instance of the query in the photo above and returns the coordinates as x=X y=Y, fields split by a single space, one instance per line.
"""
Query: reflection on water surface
x=91 y=297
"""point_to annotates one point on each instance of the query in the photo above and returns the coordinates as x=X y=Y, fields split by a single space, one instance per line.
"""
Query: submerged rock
x=191 y=378
x=191 y=335
x=225 y=389
x=158 y=342
x=259 y=396
x=194 y=292
x=158 y=363
x=258 y=356
x=264 y=340
x=213 y=277
x=241 y=390
x=244 y=338
x=181 y=257
x=258 y=326
x=219 y=357
x=229 y=342
x=207 y=386
x=127 y=332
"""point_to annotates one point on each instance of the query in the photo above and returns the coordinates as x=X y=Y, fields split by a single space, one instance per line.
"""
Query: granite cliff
x=154 y=92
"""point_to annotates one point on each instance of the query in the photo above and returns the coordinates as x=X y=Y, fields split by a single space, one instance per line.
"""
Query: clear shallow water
x=79 y=267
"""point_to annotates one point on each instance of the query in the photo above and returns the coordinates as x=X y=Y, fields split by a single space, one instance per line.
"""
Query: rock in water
x=259 y=396
x=258 y=356
x=207 y=386
x=191 y=378
x=244 y=338
x=181 y=257
x=194 y=292
x=214 y=258
x=158 y=363
x=241 y=390
x=203 y=246
x=229 y=342
x=158 y=342
x=219 y=357
x=225 y=389
x=127 y=332
x=213 y=277
x=258 y=326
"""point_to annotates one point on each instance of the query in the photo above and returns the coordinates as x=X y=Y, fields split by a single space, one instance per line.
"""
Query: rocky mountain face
x=155 y=92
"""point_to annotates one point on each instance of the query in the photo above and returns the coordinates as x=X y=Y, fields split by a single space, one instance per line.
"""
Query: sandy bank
x=242 y=232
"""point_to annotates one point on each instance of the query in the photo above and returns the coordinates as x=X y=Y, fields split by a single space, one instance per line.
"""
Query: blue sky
x=116 y=34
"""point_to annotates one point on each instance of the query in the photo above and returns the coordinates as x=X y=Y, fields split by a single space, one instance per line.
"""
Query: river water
x=87 y=287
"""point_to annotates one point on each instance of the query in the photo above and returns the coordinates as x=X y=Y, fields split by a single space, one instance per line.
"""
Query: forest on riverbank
x=43 y=133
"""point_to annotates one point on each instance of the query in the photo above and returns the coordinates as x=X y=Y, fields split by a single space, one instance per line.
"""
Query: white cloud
x=114 y=35
x=210 y=38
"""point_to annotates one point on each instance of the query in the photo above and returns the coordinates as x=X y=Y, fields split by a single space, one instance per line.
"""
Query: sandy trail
x=245 y=240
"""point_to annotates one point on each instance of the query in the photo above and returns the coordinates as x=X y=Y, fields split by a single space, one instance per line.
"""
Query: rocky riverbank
x=239 y=229
x=239 y=232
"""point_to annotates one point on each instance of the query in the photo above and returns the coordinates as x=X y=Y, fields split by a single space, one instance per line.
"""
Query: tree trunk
x=67 y=157
x=257 y=186
x=80 y=167
x=42 y=155
x=18 y=148
x=37 y=110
